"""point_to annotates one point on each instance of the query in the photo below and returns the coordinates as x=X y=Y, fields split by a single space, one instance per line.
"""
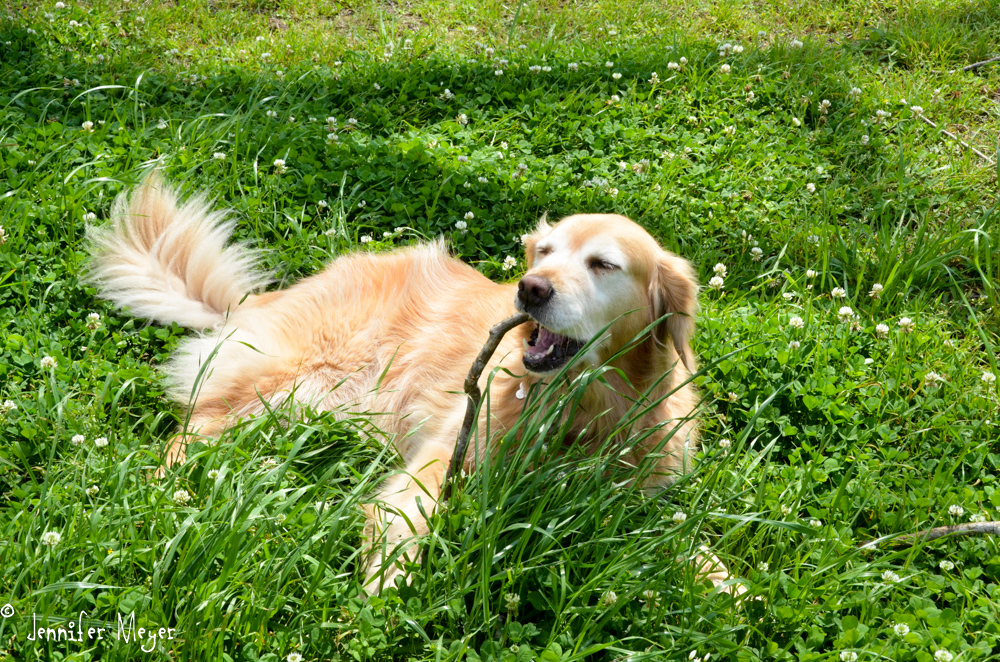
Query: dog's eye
x=543 y=250
x=597 y=264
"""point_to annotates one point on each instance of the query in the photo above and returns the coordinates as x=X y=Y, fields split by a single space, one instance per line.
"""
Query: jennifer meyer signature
x=83 y=630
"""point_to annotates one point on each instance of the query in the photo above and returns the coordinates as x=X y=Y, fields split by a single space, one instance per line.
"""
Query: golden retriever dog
x=397 y=332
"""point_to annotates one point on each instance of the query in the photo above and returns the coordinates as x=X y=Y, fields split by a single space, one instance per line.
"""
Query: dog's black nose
x=534 y=290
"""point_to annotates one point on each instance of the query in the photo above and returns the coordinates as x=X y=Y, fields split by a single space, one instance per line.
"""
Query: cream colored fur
x=415 y=317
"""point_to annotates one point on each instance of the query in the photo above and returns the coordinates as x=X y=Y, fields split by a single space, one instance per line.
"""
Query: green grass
x=809 y=450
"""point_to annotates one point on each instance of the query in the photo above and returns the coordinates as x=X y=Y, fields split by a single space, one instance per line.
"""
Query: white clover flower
x=796 y=43
x=92 y=491
x=719 y=269
x=901 y=629
x=724 y=68
x=48 y=362
x=882 y=329
x=876 y=291
x=848 y=656
x=977 y=518
x=649 y=595
x=219 y=156
x=51 y=538
x=838 y=293
x=683 y=61
x=730 y=130
x=943 y=655
x=673 y=66
x=463 y=159
x=794 y=344
x=956 y=510
x=788 y=296
x=679 y=517
x=855 y=92
x=906 y=324
x=797 y=122
x=890 y=577
x=322 y=204
x=756 y=254
x=615 y=98
x=845 y=313
x=811 y=187
x=101 y=442
x=572 y=66
x=89 y=217
x=988 y=377
x=498 y=72
x=654 y=79
x=213 y=474
x=933 y=380
x=265 y=56
x=869 y=360
x=279 y=167
x=916 y=110
x=786 y=510
x=609 y=599
x=810 y=273
x=352 y=121
x=366 y=238
x=462 y=119
x=182 y=497
x=616 y=76
x=796 y=322
x=3 y=235
x=509 y=263
x=609 y=64
x=716 y=283
x=723 y=443
x=815 y=523
x=77 y=439
x=751 y=96
x=737 y=49
x=295 y=657
x=732 y=397
x=462 y=225
x=88 y=126
x=865 y=139
x=482 y=180
x=60 y=5
x=74 y=24
x=622 y=165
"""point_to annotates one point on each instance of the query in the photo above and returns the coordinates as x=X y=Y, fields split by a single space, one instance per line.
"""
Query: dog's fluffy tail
x=170 y=263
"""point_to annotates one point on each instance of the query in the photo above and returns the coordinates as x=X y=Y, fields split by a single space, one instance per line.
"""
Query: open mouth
x=546 y=351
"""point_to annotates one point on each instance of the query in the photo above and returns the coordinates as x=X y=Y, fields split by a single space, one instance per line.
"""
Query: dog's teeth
x=549 y=350
x=524 y=343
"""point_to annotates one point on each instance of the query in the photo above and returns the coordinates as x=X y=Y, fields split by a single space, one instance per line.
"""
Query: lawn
x=816 y=161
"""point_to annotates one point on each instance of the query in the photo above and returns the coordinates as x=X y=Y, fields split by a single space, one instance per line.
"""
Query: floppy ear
x=674 y=290
x=531 y=240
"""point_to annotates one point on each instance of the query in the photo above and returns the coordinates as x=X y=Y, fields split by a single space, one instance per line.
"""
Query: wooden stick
x=973 y=67
x=954 y=137
x=992 y=528
x=475 y=395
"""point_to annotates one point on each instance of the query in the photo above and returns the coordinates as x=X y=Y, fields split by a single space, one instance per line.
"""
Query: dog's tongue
x=544 y=342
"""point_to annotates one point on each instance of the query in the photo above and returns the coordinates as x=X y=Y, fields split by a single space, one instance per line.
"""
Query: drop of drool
x=520 y=391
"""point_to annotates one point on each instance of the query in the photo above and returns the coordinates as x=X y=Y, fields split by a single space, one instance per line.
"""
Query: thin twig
x=992 y=528
x=973 y=67
x=954 y=137
x=475 y=395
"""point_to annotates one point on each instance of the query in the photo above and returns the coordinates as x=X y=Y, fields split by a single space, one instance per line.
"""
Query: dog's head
x=593 y=270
